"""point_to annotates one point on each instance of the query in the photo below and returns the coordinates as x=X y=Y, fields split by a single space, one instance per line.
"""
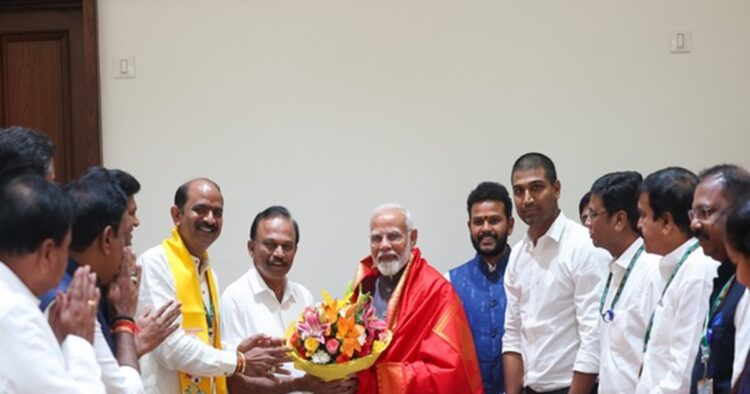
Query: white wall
x=331 y=107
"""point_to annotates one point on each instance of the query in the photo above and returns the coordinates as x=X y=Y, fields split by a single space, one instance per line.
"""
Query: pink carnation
x=332 y=346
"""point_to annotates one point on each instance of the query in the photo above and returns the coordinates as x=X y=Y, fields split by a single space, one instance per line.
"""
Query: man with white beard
x=432 y=350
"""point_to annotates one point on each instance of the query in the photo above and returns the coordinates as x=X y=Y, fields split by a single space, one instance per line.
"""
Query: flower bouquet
x=336 y=338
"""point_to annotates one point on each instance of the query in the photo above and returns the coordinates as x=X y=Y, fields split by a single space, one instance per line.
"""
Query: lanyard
x=610 y=314
x=707 y=335
x=669 y=281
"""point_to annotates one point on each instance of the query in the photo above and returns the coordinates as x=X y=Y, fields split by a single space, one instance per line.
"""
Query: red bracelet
x=124 y=325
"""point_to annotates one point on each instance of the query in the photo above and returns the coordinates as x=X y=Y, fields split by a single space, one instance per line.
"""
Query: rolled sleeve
x=588 y=290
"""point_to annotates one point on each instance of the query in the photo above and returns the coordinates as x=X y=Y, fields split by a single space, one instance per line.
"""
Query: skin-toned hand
x=74 y=312
x=155 y=327
x=122 y=293
x=264 y=356
x=318 y=386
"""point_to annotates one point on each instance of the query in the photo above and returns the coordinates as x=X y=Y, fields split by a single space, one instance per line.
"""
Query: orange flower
x=349 y=333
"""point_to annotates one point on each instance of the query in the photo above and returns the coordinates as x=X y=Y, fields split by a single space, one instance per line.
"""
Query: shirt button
x=493 y=303
x=493 y=333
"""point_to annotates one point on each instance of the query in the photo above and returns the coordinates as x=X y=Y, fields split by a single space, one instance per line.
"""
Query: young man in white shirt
x=686 y=275
x=195 y=357
x=37 y=356
x=552 y=283
x=625 y=304
x=265 y=301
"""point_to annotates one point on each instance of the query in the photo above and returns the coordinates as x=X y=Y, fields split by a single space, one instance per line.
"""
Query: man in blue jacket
x=479 y=281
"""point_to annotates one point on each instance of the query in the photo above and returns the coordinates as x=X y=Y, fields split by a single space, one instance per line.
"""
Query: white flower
x=321 y=357
x=362 y=338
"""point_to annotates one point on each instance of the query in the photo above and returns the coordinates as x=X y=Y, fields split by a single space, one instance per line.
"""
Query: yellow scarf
x=194 y=322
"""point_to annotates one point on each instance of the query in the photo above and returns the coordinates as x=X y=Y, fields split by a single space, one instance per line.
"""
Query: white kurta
x=180 y=351
x=33 y=361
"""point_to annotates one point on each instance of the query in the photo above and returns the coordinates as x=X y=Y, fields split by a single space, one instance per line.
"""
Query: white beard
x=392 y=267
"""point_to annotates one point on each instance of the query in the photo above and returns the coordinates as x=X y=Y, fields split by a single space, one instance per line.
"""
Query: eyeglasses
x=593 y=214
x=702 y=213
x=393 y=237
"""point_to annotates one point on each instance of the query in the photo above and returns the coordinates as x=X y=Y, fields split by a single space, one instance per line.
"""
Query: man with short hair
x=265 y=301
x=583 y=208
x=479 y=281
x=194 y=358
x=35 y=219
x=627 y=301
x=719 y=188
x=553 y=284
x=130 y=186
x=432 y=350
x=98 y=241
x=686 y=275
x=24 y=150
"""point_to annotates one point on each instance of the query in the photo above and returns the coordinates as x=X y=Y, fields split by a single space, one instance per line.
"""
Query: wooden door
x=49 y=77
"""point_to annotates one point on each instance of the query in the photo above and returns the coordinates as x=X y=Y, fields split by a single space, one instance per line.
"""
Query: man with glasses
x=719 y=188
x=674 y=328
x=552 y=283
x=432 y=350
x=627 y=300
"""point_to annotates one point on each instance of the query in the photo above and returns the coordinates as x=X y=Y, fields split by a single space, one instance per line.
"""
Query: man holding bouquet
x=432 y=350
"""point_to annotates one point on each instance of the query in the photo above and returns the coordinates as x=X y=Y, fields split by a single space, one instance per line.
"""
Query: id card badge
x=706 y=386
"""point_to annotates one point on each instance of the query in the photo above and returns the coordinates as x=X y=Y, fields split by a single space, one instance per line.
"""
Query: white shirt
x=32 y=360
x=552 y=315
x=622 y=338
x=741 y=335
x=179 y=352
x=250 y=307
x=678 y=322
x=117 y=379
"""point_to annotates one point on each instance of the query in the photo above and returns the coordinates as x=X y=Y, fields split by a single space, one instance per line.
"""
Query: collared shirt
x=179 y=352
x=678 y=321
x=622 y=337
x=480 y=287
x=118 y=379
x=741 y=336
x=250 y=307
x=552 y=316
x=34 y=361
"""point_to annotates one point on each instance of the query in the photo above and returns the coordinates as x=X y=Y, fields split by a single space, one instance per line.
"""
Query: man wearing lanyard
x=625 y=305
x=674 y=328
x=719 y=188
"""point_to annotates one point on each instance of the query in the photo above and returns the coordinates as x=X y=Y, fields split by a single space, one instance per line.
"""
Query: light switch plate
x=124 y=66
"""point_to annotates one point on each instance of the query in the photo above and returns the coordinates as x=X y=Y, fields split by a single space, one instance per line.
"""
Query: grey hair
x=393 y=206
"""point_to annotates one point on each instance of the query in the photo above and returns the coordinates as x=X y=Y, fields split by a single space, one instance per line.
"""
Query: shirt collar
x=499 y=268
x=14 y=283
x=624 y=259
x=669 y=261
x=554 y=232
x=259 y=286
x=200 y=266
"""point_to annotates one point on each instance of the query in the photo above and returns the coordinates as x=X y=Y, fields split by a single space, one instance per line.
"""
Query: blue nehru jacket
x=483 y=298
x=101 y=313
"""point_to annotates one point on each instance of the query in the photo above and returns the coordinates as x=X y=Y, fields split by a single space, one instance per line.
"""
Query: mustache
x=700 y=234
x=392 y=254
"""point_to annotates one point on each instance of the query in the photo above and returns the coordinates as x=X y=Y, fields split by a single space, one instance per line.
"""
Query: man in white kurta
x=35 y=220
